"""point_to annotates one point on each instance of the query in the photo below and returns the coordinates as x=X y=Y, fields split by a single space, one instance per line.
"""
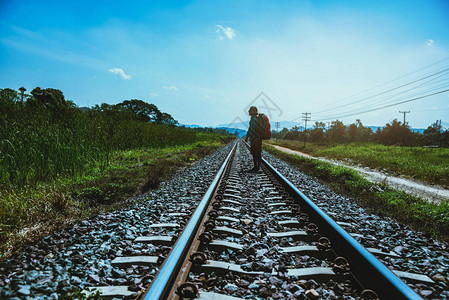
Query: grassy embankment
x=426 y=164
x=407 y=209
x=41 y=204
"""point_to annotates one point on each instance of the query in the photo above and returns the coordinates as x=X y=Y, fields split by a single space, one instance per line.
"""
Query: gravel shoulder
x=432 y=193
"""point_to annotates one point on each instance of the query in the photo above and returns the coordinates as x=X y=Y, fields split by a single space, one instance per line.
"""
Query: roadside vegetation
x=426 y=164
x=407 y=209
x=382 y=199
x=60 y=163
x=393 y=133
x=394 y=148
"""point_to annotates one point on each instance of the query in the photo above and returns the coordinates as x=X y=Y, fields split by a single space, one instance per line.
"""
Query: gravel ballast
x=80 y=256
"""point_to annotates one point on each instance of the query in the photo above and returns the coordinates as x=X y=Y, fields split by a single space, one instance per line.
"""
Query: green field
x=427 y=164
x=380 y=198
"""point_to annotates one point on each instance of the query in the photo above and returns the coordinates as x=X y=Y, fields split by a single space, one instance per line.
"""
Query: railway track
x=258 y=236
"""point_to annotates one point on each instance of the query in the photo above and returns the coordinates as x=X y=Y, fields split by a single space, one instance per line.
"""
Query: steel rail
x=162 y=284
x=368 y=270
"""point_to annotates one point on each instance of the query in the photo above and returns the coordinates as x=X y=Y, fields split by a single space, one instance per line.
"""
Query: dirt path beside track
x=424 y=190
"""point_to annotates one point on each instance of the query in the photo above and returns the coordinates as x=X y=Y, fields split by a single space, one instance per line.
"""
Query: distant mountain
x=419 y=130
x=374 y=129
x=240 y=132
x=239 y=125
x=83 y=108
x=191 y=126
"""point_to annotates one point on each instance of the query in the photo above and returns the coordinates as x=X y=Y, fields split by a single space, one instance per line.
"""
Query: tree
x=167 y=119
x=364 y=133
x=317 y=133
x=9 y=95
x=146 y=112
x=52 y=100
x=22 y=91
x=8 y=98
x=357 y=132
x=395 y=133
x=445 y=138
x=433 y=134
x=336 y=132
x=282 y=133
x=352 y=131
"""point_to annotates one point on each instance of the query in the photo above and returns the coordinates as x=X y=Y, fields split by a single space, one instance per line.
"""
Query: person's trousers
x=256 y=151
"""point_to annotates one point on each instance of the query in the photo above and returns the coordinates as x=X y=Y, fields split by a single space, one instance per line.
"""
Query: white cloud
x=430 y=42
x=171 y=87
x=120 y=73
x=227 y=32
x=153 y=95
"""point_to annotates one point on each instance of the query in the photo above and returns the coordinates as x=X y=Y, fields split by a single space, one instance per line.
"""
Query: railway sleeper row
x=226 y=229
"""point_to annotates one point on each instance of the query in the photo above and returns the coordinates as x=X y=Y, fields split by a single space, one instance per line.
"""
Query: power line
x=417 y=94
x=426 y=87
x=387 y=82
x=425 y=84
x=385 y=106
x=429 y=85
x=387 y=91
x=434 y=109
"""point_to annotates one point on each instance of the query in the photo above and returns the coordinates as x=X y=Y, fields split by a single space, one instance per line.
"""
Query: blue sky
x=205 y=61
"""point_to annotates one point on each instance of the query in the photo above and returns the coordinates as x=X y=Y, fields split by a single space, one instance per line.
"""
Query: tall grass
x=52 y=155
x=35 y=148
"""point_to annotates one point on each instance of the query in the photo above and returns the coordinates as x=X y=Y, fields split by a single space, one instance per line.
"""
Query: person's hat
x=252 y=110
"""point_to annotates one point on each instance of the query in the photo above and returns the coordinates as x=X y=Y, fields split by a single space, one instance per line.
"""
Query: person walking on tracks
x=259 y=129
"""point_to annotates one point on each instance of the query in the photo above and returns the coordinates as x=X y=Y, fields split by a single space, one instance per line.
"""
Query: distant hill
x=191 y=126
x=240 y=132
x=239 y=125
x=418 y=130
x=83 y=108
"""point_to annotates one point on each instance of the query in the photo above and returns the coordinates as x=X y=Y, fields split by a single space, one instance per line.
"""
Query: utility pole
x=305 y=118
x=328 y=125
x=277 y=130
x=404 y=112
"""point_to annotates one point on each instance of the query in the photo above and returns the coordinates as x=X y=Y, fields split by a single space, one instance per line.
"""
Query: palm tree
x=22 y=90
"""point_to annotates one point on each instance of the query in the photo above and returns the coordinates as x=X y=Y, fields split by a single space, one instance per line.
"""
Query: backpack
x=263 y=128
